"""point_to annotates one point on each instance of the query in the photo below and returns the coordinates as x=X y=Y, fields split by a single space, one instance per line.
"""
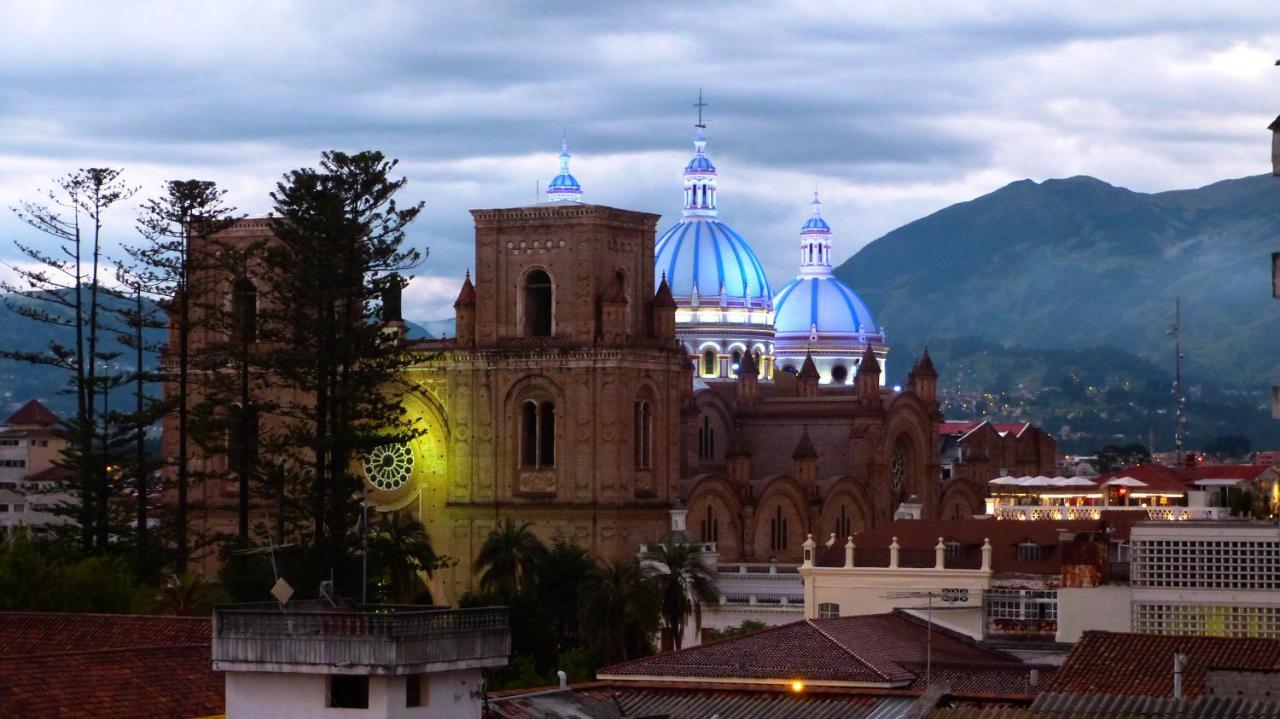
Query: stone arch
x=781 y=513
x=429 y=451
x=715 y=515
x=847 y=502
x=960 y=501
x=552 y=416
x=537 y=302
x=909 y=445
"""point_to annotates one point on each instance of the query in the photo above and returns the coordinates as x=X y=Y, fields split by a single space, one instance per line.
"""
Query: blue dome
x=700 y=164
x=564 y=182
x=823 y=302
x=816 y=224
x=706 y=254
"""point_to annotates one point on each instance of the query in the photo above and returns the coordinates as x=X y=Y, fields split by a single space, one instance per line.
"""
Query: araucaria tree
x=165 y=263
x=62 y=286
x=339 y=248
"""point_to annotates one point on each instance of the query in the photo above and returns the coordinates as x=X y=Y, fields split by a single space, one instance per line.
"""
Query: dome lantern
x=564 y=187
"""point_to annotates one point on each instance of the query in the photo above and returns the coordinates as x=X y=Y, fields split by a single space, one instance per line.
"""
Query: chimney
x=1179 y=661
x=465 y=313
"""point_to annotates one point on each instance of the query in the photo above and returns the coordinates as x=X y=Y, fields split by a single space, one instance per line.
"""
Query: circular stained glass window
x=389 y=466
x=897 y=468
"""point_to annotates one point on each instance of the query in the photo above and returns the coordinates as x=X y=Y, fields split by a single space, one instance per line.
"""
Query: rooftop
x=33 y=413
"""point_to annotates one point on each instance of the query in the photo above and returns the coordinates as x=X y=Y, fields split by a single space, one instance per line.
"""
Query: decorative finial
x=700 y=104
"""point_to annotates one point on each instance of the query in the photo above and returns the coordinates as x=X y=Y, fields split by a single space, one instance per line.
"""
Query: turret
x=923 y=379
x=805 y=458
x=464 y=309
x=391 y=312
x=867 y=383
x=807 y=380
x=662 y=312
x=748 y=381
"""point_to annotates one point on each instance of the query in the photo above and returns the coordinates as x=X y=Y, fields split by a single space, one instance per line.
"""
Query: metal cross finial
x=700 y=104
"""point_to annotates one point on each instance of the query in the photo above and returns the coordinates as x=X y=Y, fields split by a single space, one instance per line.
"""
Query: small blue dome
x=816 y=224
x=823 y=302
x=564 y=182
x=700 y=164
x=564 y=187
x=707 y=254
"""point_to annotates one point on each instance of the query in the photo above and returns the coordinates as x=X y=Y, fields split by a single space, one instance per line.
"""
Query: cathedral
x=600 y=379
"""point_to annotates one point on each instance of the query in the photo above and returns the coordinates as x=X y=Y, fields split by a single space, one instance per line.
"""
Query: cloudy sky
x=895 y=109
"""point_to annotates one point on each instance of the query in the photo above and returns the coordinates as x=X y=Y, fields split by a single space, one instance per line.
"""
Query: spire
x=663 y=298
x=467 y=295
x=808 y=370
x=564 y=187
x=924 y=368
x=700 y=173
x=815 y=242
x=804 y=448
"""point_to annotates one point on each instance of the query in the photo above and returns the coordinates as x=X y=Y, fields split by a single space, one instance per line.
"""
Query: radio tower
x=1179 y=401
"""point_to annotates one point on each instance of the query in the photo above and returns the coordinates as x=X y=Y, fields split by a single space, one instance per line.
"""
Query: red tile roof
x=33 y=413
x=1142 y=664
x=101 y=665
x=885 y=650
x=132 y=683
x=27 y=633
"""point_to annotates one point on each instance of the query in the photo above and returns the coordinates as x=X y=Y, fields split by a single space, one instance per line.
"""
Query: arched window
x=244 y=310
x=710 y=364
x=706 y=439
x=537 y=304
x=844 y=523
x=778 y=531
x=737 y=361
x=537 y=434
x=709 y=527
x=644 y=434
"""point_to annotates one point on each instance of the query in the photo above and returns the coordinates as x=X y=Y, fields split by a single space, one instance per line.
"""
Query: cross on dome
x=700 y=173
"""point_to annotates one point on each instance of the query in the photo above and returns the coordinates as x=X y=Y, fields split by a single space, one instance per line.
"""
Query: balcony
x=1064 y=512
x=369 y=640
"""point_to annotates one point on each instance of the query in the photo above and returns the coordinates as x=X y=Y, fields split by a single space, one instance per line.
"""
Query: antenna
x=928 y=656
x=1179 y=401
x=700 y=104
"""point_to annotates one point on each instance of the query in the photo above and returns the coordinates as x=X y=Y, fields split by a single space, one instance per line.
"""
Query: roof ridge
x=651 y=657
x=33 y=613
x=813 y=623
x=149 y=647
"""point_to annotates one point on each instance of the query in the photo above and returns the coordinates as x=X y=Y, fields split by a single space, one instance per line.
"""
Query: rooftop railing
x=382 y=639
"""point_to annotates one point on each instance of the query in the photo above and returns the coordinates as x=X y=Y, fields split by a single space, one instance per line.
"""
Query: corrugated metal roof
x=604 y=703
x=1057 y=704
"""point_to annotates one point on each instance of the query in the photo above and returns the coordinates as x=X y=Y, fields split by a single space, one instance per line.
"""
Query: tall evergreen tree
x=165 y=263
x=339 y=247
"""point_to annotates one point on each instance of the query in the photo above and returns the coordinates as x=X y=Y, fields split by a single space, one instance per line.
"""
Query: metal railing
x=377 y=640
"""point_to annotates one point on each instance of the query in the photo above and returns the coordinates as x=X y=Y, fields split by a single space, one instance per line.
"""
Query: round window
x=839 y=373
x=388 y=467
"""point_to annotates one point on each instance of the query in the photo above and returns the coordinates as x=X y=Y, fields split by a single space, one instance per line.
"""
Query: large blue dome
x=824 y=303
x=705 y=254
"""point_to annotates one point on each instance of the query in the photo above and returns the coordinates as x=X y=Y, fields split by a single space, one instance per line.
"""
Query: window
x=348 y=692
x=13 y=462
x=778 y=531
x=537 y=434
x=839 y=373
x=706 y=439
x=1030 y=552
x=415 y=690
x=844 y=523
x=828 y=610
x=4 y=508
x=709 y=528
x=244 y=310
x=737 y=361
x=710 y=364
x=644 y=434
x=8 y=443
x=19 y=507
x=953 y=548
x=537 y=304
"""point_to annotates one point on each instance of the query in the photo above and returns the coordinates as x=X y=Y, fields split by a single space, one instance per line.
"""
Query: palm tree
x=684 y=582
x=399 y=548
x=186 y=594
x=619 y=606
x=509 y=557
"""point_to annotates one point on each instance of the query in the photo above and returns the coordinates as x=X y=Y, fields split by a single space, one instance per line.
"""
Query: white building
x=310 y=660
x=31 y=485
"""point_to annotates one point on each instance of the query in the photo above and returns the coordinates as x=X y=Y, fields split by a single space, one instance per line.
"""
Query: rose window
x=388 y=467
x=897 y=468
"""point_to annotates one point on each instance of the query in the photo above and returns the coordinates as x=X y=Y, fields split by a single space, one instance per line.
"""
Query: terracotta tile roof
x=921 y=536
x=52 y=474
x=106 y=666
x=1142 y=664
x=132 y=683
x=957 y=427
x=26 y=633
x=886 y=650
x=976 y=680
x=33 y=413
